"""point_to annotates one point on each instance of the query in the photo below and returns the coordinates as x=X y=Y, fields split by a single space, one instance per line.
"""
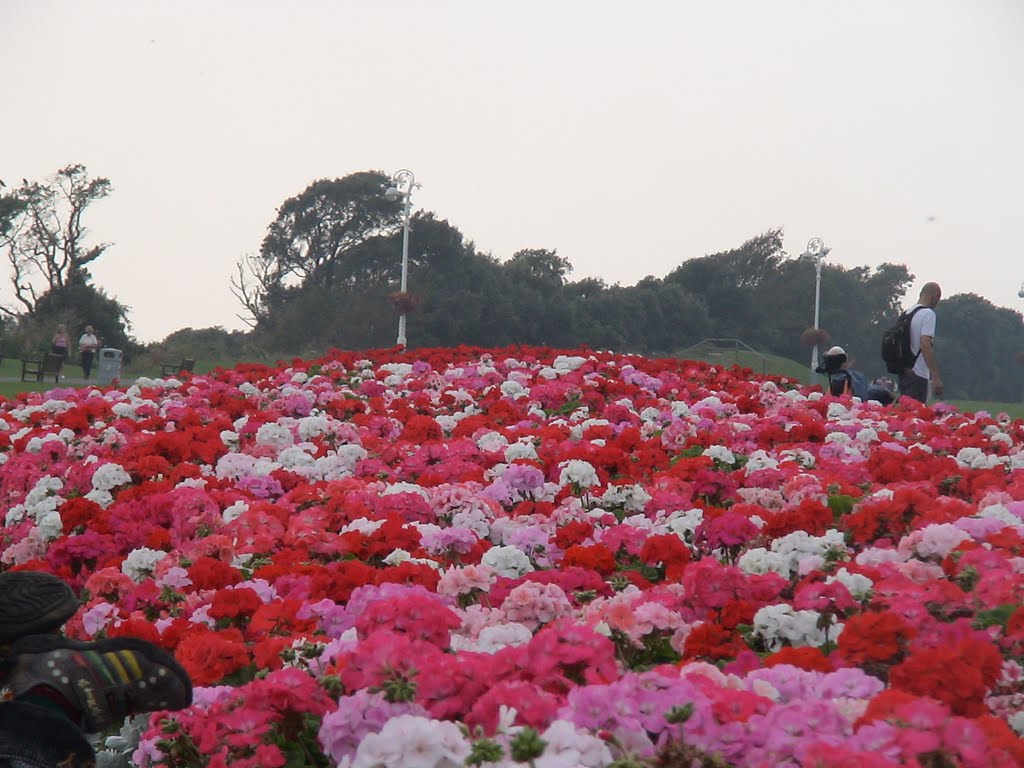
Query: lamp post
x=402 y=184
x=816 y=250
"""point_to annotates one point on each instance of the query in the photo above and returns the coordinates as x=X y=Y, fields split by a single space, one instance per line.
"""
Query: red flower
x=712 y=641
x=875 y=637
x=572 y=533
x=234 y=603
x=596 y=557
x=959 y=675
x=809 y=658
x=209 y=656
x=208 y=573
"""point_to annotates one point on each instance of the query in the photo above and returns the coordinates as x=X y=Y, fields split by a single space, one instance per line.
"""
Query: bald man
x=914 y=381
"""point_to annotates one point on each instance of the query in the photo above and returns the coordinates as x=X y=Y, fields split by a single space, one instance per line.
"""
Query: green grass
x=758 y=363
x=1014 y=410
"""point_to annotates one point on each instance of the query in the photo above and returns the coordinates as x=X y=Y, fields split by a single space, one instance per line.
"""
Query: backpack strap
x=910 y=316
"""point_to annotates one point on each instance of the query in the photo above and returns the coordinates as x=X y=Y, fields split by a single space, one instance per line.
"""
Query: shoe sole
x=103 y=700
x=34 y=644
x=33 y=602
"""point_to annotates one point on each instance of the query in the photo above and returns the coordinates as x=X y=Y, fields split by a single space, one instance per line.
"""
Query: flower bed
x=523 y=557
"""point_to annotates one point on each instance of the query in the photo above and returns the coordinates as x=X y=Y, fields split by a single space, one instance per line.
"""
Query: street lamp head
x=392 y=193
x=815 y=246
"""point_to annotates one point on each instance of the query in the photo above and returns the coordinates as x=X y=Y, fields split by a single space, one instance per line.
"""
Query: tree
x=976 y=343
x=331 y=234
x=42 y=233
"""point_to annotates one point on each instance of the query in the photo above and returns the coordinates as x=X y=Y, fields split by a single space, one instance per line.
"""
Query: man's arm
x=928 y=352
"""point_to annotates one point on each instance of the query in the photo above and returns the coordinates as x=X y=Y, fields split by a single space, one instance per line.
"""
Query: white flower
x=340 y=463
x=274 y=435
x=684 y=523
x=566 y=363
x=632 y=498
x=508 y=561
x=124 y=410
x=580 y=474
x=50 y=525
x=524 y=449
x=311 y=426
x=777 y=624
x=514 y=389
x=141 y=562
x=867 y=435
x=760 y=460
x=109 y=476
x=720 y=453
x=760 y=561
x=492 y=639
x=406 y=488
x=410 y=741
x=1017 y=723
x=234 y=511
x=999 y=512
x=975 y=458
x=397 y=556
x=295 y=456
x=491 y=441
x=567 y=747
x=858 y=584
x=799 y=545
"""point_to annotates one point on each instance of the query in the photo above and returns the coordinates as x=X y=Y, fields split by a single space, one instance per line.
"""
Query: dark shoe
x=34 y=737
x=106 y=681
x=33 y=602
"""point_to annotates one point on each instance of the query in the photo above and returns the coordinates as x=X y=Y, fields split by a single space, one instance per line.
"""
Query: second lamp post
x=816 y=250
x=402 y=184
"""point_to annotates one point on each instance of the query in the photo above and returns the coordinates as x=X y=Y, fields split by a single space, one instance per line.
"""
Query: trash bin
x=108 y=366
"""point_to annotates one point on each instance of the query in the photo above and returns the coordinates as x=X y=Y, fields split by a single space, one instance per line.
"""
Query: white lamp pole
x=816 y=250
x=402 y=184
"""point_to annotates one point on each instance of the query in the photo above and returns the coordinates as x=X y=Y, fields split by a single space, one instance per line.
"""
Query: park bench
x=170 y=369
x=41 y=369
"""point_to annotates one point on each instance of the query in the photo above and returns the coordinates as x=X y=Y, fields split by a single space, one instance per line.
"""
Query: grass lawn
x=1015 y=410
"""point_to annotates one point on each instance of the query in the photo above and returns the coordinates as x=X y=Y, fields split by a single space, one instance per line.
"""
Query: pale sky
x=627 y=135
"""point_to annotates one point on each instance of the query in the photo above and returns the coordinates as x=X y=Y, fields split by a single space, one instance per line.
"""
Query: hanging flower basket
x=403 y=301
x=814 y=336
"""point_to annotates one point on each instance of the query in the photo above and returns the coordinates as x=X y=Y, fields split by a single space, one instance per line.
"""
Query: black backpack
x=896 y=345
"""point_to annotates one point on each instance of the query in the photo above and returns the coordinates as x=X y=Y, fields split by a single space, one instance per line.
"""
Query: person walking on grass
x=914 y=381
x=87 y=346
x=60 y=342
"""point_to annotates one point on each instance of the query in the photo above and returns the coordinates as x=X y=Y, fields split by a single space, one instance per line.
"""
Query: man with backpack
x=908 y=348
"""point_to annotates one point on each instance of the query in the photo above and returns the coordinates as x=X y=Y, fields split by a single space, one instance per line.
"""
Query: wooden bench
x=41 y=369
x=170 y=369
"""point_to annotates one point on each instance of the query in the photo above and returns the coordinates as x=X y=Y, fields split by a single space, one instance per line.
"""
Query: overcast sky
x=629 y=136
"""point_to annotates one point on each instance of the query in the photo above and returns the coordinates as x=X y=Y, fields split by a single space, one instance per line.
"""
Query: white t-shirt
x=88 y=343
x=921 y=324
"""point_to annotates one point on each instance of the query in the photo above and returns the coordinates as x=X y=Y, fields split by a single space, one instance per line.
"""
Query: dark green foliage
x=333 y=255
x=76 y=305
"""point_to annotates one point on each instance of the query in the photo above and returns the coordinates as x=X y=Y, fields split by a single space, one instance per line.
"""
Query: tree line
x=328 y=270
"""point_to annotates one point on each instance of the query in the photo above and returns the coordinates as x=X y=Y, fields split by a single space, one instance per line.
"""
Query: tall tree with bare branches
x=43 y=236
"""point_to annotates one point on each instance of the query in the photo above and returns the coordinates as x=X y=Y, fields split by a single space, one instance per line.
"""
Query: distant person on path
x=914 y=381
x=87 y=346
x=61 y=341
